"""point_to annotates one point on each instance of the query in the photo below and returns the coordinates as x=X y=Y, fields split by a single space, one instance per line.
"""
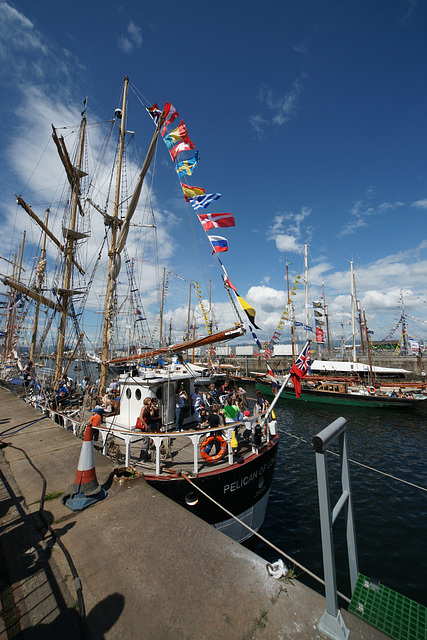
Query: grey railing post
x=331 y=622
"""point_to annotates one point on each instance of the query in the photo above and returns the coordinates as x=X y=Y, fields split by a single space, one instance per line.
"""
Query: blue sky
x=309 y=118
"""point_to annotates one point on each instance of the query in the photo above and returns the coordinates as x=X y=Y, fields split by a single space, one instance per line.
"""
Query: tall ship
x=220 y=471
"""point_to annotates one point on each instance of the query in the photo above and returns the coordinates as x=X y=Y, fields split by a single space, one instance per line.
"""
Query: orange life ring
x=209 y=441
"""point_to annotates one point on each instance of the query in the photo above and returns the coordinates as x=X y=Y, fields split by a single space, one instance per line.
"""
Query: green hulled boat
x=344 y=393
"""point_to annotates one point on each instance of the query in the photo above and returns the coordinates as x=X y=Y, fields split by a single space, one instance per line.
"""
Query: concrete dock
x=148 y=568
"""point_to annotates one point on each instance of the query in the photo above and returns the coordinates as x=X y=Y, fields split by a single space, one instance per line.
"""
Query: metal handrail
x=331 y=622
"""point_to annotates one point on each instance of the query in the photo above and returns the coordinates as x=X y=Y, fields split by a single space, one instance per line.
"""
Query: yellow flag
x=250 y=311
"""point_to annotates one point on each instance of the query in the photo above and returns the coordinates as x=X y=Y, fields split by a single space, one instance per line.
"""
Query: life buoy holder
x=210 y=441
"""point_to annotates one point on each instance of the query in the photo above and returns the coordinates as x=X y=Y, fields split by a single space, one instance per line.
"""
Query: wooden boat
x=344 y=393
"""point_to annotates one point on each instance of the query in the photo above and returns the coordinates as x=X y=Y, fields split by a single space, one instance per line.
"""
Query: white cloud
x=420 y=204
x=287 y=229
x=17 y=33
x=288 y=244
x=131 y=39
x=258 y=124
x=279 y=108
x=35 y=172
x=379 y=286
x=361 y=213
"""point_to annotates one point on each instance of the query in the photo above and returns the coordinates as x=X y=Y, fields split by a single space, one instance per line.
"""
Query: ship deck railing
x=185 y=447
x=186 y=444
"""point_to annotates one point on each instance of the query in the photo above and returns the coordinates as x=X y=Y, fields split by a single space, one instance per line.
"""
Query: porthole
x=261 y=482
x=191 y=499
x=128 y=393
x=138 y=394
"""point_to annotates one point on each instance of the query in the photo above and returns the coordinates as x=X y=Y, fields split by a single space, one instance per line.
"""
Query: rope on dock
x=258 y=535
x=361 y=464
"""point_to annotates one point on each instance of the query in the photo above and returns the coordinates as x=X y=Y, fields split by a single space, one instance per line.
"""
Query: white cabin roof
x=349 y=367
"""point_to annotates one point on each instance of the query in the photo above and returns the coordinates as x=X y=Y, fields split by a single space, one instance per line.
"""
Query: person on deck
x=240 y=397
x=181 y=400
x=84 y=386
x=213 y=394
x=214 y=419
x=226 y=387
x=261 y=402
x=144 y=427
x=197 y=401
x=203 y=417
x=155 y=422
x=62 y=397
x=26 y=374
x=113 y=386
x=106 y=405
x=68 y=382
x=230 y=411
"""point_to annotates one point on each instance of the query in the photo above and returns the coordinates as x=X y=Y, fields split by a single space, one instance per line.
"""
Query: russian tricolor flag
x=218 y=244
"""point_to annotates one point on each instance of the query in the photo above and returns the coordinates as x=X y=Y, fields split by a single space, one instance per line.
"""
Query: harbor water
x=390 y=517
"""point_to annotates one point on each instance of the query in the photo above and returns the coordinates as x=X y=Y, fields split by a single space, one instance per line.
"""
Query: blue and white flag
x=200 y=202
x=218 y=244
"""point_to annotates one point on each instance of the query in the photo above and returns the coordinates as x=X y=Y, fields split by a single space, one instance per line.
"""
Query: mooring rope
x=267 y=542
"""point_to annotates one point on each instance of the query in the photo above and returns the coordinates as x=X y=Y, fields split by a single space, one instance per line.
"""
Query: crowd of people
x=99 y=401
x=211 y=408
x=204 y=406
x=208 y=404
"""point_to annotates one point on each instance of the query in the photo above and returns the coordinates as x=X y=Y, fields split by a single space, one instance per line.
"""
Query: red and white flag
x=215 y=220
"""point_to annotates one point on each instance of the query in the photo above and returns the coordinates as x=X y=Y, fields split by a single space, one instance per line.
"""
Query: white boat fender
x=277 y=570
x=273 y=427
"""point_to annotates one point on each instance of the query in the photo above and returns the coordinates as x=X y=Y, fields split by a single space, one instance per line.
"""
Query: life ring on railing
x=371 y=390
x=209 y=442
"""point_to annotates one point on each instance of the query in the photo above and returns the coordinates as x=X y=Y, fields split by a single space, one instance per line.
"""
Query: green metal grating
x=388 y=611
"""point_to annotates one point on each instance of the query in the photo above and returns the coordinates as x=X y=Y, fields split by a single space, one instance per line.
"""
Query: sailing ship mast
x=117 y=244
x=353 y=319
x=290 y=310
x=406 y=349
x=359 y=317
x=306 y=289
x=71 y=236
x=325 y=311
x=162 y=302
x=16 y=277
x=40 y=277
x=112 y=271
x=371 y=369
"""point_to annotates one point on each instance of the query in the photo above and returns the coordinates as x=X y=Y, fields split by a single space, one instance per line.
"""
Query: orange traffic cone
x=85 y=490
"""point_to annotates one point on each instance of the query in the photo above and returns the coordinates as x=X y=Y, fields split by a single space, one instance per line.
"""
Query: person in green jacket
x=230 y=411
